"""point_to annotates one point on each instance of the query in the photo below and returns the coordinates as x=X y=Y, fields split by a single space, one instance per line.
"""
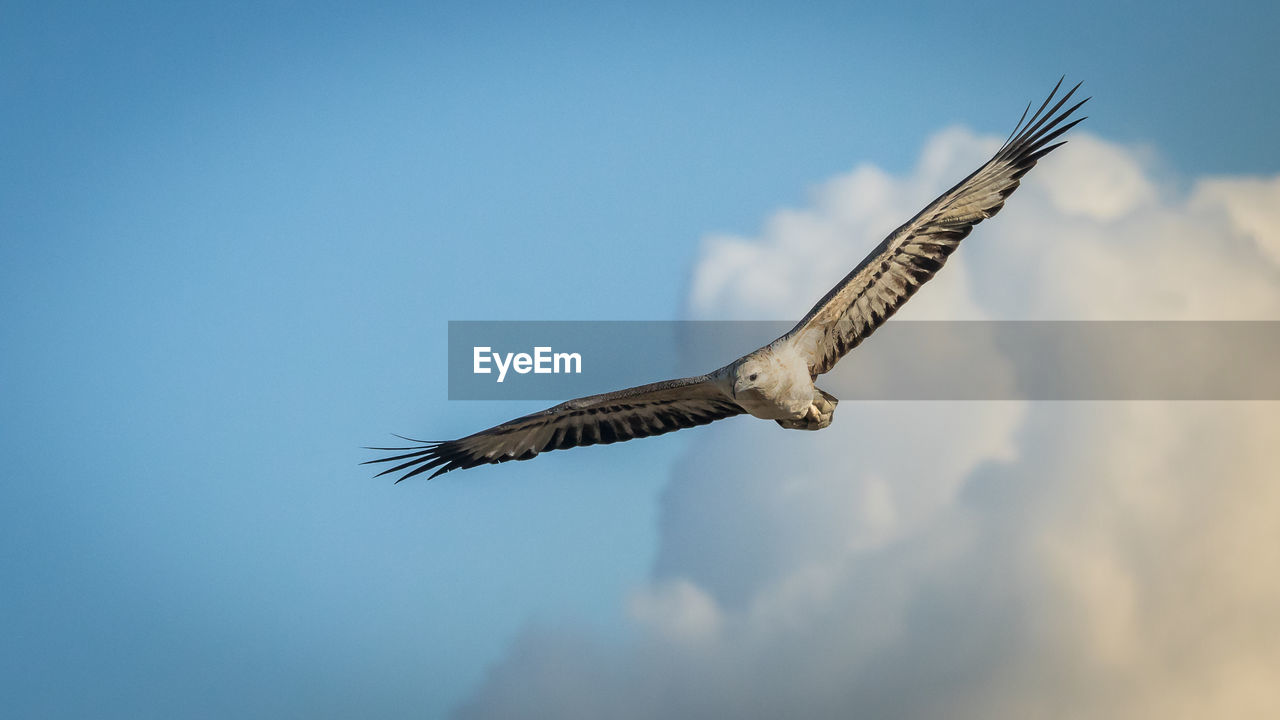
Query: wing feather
x=914 y=253
x=599 y=419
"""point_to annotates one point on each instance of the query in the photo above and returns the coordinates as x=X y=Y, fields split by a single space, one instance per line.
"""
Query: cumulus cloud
x=979 y=560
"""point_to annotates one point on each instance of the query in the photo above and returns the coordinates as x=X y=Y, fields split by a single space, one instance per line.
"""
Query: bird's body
x=775 y=382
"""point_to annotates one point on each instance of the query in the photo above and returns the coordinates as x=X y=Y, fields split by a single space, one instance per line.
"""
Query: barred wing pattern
x=600 y=419
x=913 y=253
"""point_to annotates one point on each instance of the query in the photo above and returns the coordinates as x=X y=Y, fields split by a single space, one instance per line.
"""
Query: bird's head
x=753 y=374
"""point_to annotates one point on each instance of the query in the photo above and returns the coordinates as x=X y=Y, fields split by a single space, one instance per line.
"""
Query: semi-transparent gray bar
x=904 y=360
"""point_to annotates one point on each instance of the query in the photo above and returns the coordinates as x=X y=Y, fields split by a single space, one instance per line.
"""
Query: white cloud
x=981 y=560
x=677 y=610
x=1251 y=205
x=1089 y=236
x=1118 y=186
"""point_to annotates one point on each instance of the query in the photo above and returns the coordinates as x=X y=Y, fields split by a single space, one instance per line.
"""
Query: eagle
x=775 y=382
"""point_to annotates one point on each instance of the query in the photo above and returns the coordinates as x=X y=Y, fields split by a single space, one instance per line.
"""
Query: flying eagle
x=776 y=381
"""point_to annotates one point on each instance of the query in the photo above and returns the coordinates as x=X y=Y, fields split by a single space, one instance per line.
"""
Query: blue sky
x=231 y=237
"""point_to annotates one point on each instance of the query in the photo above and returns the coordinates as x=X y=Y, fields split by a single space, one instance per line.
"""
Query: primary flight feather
x=776 y=381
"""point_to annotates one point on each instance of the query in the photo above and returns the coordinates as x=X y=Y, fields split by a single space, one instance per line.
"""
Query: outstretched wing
x=600 y=419
x=891 y=274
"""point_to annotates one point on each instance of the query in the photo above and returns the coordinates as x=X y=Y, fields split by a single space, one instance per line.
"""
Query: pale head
x=755 y=373
x=773 y=382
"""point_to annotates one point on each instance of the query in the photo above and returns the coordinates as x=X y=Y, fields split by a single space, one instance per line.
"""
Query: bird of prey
x=775 y=382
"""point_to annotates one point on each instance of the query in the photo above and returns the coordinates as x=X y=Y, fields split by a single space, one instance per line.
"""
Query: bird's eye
x=752 y=377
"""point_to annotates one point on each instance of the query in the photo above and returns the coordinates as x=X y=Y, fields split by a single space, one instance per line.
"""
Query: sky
x=232 y=236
